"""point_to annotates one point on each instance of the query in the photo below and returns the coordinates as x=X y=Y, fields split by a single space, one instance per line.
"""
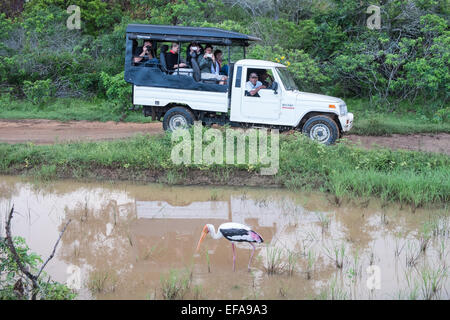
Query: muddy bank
x=187 y=177
x=49 y=132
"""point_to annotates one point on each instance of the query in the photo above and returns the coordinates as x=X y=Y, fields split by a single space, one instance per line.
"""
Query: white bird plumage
x=234 y=232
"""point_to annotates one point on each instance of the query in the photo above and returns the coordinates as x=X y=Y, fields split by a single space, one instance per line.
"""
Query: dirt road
x=49 y=131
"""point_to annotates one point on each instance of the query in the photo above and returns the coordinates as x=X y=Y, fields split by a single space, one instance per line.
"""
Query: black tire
x=323 y=129
x=177 y=115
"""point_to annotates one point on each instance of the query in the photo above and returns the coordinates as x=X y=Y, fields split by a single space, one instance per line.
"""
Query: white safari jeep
x=181 y=96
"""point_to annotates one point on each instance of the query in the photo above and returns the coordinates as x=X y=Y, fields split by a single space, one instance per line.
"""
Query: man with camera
x=207 y=62
x=144 y=53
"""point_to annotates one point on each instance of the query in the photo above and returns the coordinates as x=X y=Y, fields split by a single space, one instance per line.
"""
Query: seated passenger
x=223 y=69
x=253 y=85
x=264 y=81
x=172 y=58
x=144 y=53
x=193 y=50
x=207 y=63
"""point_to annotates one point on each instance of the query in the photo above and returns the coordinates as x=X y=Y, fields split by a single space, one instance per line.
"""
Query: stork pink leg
x=251 y=256
x=234 y=257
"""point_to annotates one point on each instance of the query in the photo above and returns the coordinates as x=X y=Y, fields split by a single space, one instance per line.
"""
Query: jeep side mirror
x=275 y=87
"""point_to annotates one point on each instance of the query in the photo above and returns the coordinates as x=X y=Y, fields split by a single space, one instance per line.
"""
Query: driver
x=253 y=85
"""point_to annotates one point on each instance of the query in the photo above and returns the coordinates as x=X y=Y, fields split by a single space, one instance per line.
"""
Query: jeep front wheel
x=322 y=129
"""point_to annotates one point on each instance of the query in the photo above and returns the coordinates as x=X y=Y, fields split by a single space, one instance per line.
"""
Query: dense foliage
x=325 y=43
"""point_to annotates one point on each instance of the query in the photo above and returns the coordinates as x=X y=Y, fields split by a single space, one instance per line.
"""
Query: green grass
x=274 y=263
x=176 y=284
x=334 y=291
x=412 y=177
x=407 y=118
x=416 y=178
x=385 y=124
x=68 y=109
x=102 y=282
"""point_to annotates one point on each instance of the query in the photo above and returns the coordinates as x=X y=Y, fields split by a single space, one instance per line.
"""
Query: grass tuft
x=176 y=284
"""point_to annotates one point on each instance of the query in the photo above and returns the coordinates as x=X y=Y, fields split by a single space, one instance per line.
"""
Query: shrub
x=442 y=115
x=116 y=89
x=39 y=91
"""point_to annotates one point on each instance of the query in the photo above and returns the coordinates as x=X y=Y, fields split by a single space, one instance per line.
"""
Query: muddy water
x=125 y=239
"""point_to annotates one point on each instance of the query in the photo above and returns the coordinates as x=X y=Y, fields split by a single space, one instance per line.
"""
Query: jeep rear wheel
x=322 y=129
x=177 y=118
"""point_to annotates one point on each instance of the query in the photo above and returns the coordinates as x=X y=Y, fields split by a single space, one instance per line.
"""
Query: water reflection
x=124 y=237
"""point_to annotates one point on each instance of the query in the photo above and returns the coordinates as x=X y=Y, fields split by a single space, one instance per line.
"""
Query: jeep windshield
x=287 y=79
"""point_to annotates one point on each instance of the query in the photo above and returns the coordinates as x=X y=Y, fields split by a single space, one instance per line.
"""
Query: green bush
x=39 y=91
x=116 y=89
x=442 y=115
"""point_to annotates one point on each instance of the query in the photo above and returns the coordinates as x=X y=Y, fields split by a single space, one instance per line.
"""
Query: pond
x=130 y=241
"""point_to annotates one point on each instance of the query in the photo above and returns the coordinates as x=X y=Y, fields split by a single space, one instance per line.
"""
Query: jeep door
x=266 y=104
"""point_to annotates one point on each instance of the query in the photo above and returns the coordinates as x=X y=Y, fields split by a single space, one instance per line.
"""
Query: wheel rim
x=320 y=133
x=177 y=122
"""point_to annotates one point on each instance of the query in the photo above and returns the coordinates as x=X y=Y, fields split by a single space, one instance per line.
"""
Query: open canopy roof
x=188 y=34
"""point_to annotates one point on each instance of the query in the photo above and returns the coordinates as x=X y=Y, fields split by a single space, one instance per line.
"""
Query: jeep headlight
x=343 y=109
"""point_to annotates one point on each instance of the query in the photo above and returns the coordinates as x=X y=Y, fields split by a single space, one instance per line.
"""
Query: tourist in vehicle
x=222 y=69
x=253 y=85
x=144 y=53
x=266 y=79
x=172 y=58
x=193 y=50
x=207 y=63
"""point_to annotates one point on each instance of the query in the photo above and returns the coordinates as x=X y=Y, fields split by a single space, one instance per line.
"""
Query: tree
x=24 y=280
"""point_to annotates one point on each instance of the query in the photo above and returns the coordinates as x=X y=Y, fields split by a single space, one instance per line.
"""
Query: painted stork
x=234 y=232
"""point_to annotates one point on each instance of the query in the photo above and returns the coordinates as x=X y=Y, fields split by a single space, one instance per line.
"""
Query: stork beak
x=204 y=233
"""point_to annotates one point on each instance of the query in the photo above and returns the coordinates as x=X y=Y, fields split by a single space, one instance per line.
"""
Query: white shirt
x=249 y=85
